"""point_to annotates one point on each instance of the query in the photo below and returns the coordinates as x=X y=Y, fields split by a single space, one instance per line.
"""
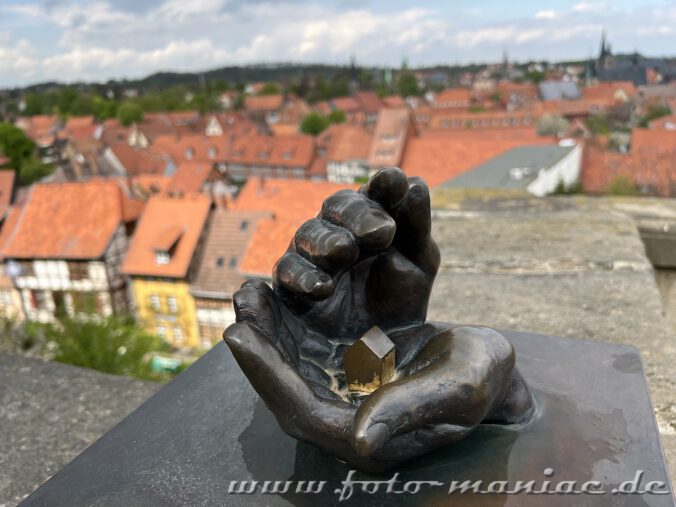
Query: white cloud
x=590 y=7
x=101 y=39
x=546 y=14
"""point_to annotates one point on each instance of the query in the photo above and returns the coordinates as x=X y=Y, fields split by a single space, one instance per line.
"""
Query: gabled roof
x=263 y=103
x=459 y=96
x=192 y=147
x=70 y=220
x=660 y=141
x=139 y=161
x=389 y=137
x=79 y=127
x=166 y=220
x=368 y=101
x=345 y=104
x=665 y=122
x=291 y=203
x=226 y=241
x=344 y=143
x=277 y=151
x=190 y=177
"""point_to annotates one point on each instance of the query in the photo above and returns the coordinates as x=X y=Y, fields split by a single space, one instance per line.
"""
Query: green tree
x=336 y=116
x=313 y=124
x=129 y=112
x=114 y=345
x=536 y=76
x=83 y=105
x=20 y=150
x=270 y=89
x=653 y=113
x=599 y=124
x=407 y=84
x=34 y=104
x=104 y=109
x=67 y=97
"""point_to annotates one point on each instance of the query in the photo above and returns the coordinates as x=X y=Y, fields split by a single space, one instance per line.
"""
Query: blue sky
x=70 y=40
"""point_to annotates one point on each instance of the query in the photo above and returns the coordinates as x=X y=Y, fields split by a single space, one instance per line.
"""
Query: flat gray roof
x=514 y=169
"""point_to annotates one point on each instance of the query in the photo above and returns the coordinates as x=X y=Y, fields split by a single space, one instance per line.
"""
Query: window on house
x=211 y=153
x=189 y=153
x=155 y=302
x=178 y=335
x=161 y=331
x=172 y=304
x=243 y=225
x=162 y=257
x=287 y=155
x=233 y=262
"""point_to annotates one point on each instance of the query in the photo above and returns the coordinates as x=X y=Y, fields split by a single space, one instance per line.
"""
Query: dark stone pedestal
x=208 y=428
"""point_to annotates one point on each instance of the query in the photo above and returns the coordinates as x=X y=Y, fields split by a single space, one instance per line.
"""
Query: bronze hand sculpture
x=368 y=259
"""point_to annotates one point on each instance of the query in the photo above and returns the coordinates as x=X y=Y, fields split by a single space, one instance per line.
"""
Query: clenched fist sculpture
x=368 y=259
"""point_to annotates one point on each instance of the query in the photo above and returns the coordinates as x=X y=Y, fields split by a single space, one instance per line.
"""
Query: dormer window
x=233 y=262
x=189 y=153
x=263 y=155
x=287 y=155
x=244 y=224
x=165 y=244
x=162 y=257
x=219 y=262
x=211 y=153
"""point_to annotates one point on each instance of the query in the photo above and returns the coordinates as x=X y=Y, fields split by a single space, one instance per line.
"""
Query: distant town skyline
x=72 y=40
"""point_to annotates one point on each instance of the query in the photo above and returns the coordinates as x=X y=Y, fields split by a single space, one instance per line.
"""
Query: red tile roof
x=274 y=151
x=661 y=141
x=79 y=127
x=610 y=92
x=263 y=103
x=226 y=242
x=345 y=104
x=7 y=182
x=392 y=129
x=368 y=101
x=40 y=128
x=291 y=202
x=394 y=101
x=70 y=220
x=437 y=158
x=665 y=122
x=190 y=177
x=345 y=142
x=139 y=161
x=193 y=147
x=453 y=97
x=182 y=219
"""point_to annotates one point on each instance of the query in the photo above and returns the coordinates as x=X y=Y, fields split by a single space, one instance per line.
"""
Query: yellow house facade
x=167 y=308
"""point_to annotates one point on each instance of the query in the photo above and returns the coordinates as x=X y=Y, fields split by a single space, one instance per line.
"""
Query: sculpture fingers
x=388 y=187
x=414 y=227
x=401 y=290
x=299 y=411
x=457 y=379
x=368 y=222
x=326 y=245
x=295 y=276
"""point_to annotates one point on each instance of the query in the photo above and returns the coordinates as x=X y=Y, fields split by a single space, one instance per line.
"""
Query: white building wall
x=566 y=170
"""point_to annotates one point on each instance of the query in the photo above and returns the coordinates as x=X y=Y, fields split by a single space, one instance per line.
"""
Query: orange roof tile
x=262 y=103
x=226 y=242
x=453 y=97
x=79 y=127
x=276 y=151
x=7 y=181
x=345 y=142
x=345 y=104
x=394 y=101
x=392 y=129
x=162 y=216
x=665 y=122
x=438 y=158
x=368 y=101
x=662 y=141
x=139 y=161
x=149 y=184
x=70 y=220
x=291 y=202
x=197 y=147
x=610 y=92
x=190 y=177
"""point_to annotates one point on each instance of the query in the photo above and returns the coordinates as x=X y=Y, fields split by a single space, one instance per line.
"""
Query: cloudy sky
x=71 y=40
